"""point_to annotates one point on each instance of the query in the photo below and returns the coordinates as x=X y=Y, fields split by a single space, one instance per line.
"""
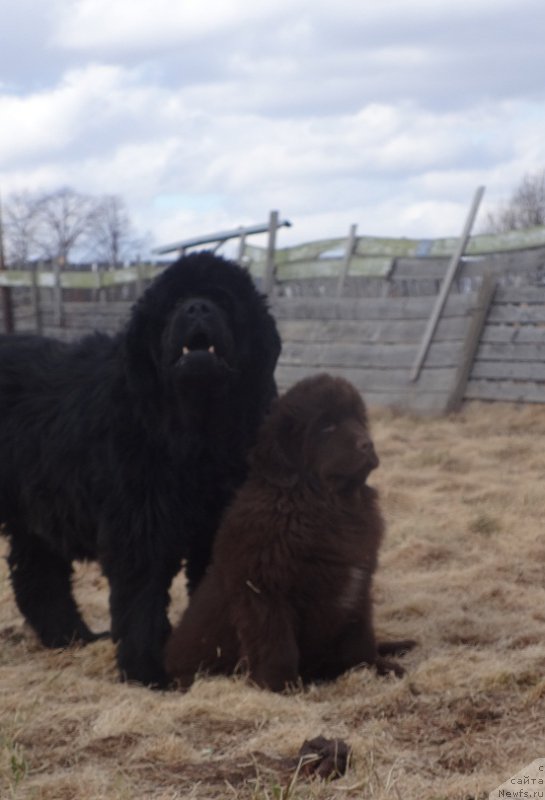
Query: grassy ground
x=462 y=570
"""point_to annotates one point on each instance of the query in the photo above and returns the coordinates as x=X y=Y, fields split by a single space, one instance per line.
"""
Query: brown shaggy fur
x=288 y=594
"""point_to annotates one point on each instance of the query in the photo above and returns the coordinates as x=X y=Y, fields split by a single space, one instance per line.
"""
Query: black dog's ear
x=259 y=365
x=274 y=456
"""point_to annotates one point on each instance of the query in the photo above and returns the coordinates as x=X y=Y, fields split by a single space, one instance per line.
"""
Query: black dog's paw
x=144 y=670
x=150 y=678
x=82 y=635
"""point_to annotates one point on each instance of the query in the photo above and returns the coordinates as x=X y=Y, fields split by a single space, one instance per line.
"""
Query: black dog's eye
x=327 y=429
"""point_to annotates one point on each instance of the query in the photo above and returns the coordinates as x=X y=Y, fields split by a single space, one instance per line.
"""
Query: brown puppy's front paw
x=396 y=648
x=325 y=758
x=384 y=666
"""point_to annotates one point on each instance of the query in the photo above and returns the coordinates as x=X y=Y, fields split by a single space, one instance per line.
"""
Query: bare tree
x=21 y=222
x=67 y=225
x=66 y=219
x=112 y=237
x=526 y=208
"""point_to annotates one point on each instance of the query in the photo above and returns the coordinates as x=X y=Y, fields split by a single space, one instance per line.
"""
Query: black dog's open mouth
x=199 y=343
x=201 y=355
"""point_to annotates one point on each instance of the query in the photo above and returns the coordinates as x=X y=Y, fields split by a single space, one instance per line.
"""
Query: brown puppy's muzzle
x=366 y=449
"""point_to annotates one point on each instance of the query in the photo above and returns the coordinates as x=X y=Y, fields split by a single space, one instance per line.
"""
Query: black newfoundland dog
x=288 y=593
x=126 y=450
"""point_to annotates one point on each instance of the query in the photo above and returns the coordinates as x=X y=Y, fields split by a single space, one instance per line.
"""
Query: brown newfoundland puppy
x=288 y=593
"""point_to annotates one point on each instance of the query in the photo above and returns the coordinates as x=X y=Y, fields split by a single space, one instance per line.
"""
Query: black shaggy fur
x=126 y=449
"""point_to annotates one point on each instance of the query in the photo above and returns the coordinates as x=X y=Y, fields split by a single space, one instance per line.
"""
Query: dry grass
x=462 y=570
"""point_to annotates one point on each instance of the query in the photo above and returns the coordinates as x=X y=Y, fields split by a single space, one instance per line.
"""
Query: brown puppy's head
x=317 y=434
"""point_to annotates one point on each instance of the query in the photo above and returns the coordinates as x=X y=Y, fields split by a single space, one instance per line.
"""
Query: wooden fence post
x=348 y=253
x=139 y=279
x=102 y=292
x=58 y=311
x=241 y=247
x=35 y=297
x=7 y=298
x=472 y=339
x=268 y=282
x=445 y=286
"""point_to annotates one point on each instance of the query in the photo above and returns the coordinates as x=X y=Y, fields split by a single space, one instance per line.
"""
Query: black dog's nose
x=198 y=307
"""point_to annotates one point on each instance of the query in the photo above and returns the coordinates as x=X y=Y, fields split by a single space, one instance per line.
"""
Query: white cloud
x=46 y=122
x=205 y=114
x=135 y=24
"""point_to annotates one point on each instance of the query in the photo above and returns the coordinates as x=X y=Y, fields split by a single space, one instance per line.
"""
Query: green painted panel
x=311 y=254
x=79 y=280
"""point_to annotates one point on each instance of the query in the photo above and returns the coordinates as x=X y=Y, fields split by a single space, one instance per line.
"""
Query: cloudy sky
x=206 y=114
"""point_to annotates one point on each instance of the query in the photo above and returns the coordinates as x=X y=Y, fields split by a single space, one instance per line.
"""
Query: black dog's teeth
x=186 y=350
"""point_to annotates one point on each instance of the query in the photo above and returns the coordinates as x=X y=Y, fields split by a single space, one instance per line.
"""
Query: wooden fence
x=510 y=360
x=489 y=343
x=374 y=343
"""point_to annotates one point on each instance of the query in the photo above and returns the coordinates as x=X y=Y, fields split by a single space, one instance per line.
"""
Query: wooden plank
x=139 y=279
x=57 y=294
x=403 y=398
x=113 y=308
x=425 y=268
x=35 y=300
x=326 y=286
x=503 y=242
x=520 y=294
x=499 y=265
x=367 y=331
x=521 y=334
x=422 y=403
x=390 y=308
x=80 y=279
x=384 y=380
x=482 y=244
x=506 y=391
x=520 y=262
x=307 y=251
x=345 y=266
x=5 y=291
x=517 y=314
x=471 y=343
x=381 y=356
x=509 y=370
x=512 y=352
x=363 y=266
x=87 y=322
x=446 y=285
x=268 y=281
x=74 y=315
x=524 y=264
x=241 y=247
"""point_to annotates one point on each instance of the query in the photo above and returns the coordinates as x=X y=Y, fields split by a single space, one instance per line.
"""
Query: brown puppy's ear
x=273 y=457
